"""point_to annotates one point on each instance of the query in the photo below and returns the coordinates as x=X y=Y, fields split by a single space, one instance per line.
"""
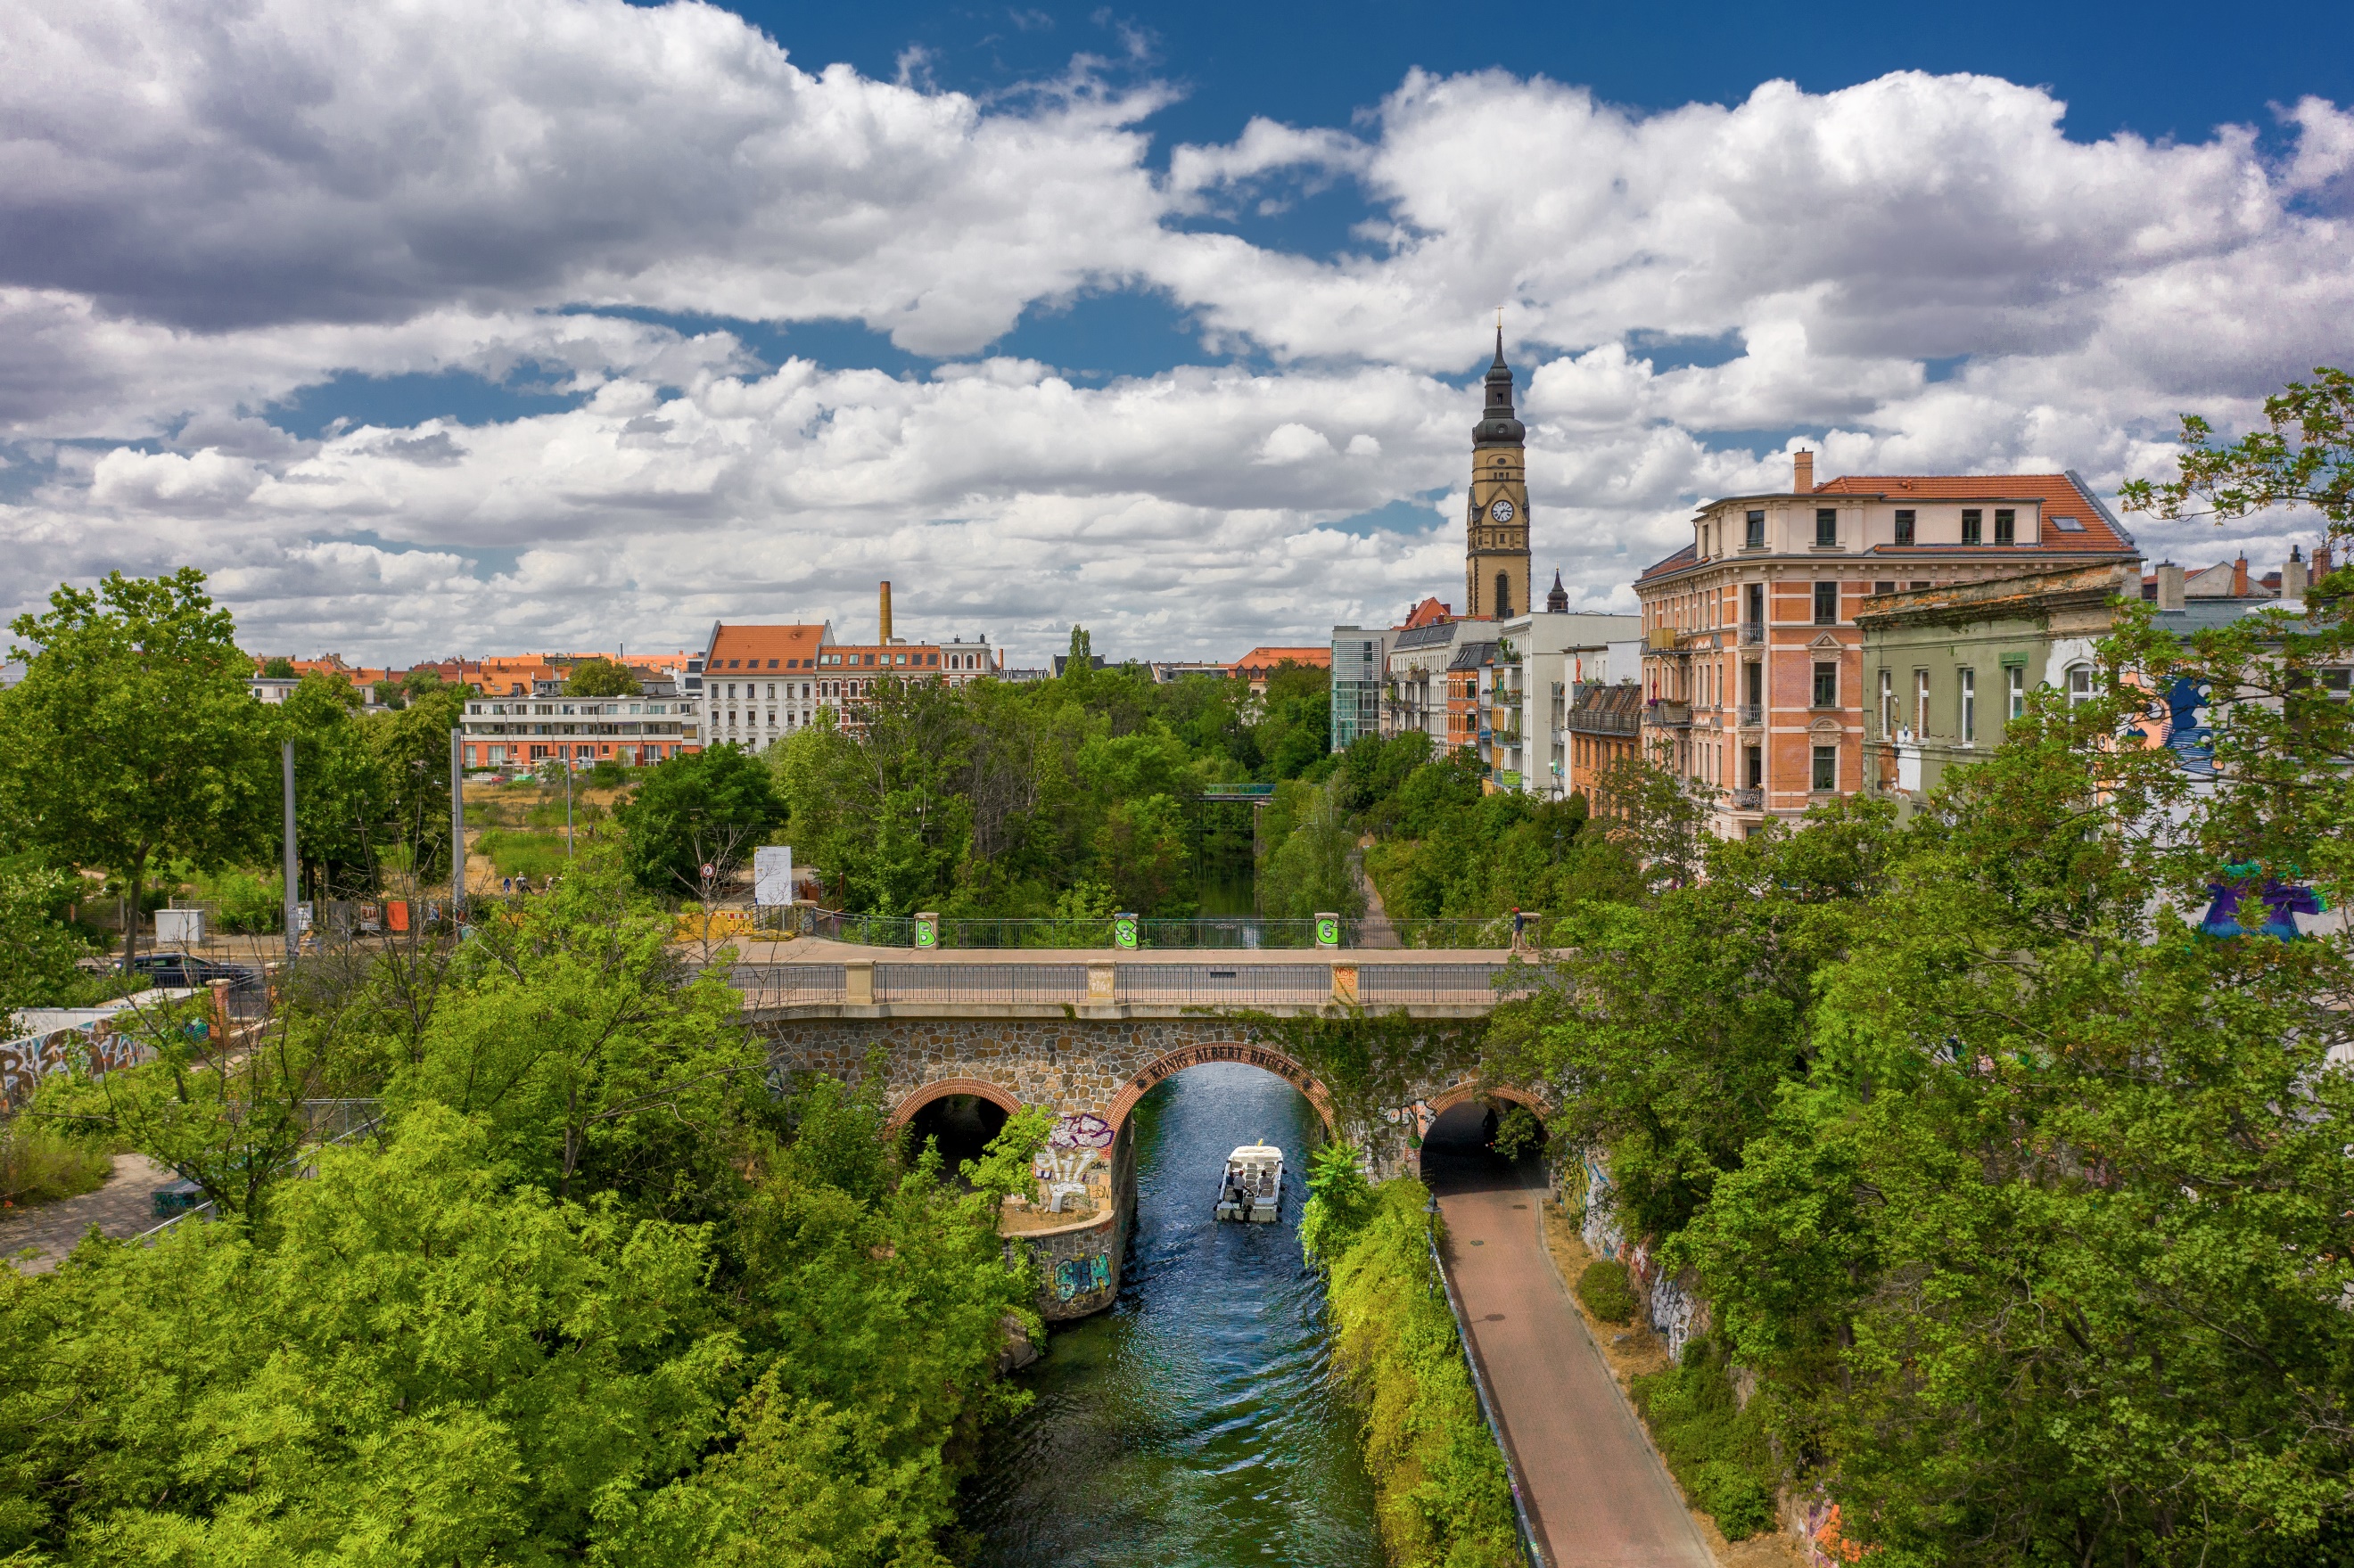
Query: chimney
x=2240 y=577
x=2169 y=586
x=1802 y=473
x=2292 y=580
x=885 y=638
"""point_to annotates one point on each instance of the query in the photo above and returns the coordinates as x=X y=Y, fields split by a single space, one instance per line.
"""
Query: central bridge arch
x=1171 y=1062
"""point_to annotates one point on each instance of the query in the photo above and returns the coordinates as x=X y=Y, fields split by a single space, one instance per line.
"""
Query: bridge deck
x=811 y=979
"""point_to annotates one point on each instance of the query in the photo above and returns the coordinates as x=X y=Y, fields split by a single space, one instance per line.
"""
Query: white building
x=1541 y=660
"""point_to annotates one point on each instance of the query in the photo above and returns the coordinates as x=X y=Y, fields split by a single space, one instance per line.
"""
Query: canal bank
x=1195 y=1421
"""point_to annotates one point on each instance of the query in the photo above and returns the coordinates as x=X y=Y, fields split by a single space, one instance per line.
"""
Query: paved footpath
x=1599 y=1495
x=124 y=1207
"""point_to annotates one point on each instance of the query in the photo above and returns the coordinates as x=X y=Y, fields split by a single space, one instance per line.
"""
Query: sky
x=472 y=326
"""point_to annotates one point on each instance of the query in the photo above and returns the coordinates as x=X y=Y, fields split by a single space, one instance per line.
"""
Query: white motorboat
x=1252 y=1188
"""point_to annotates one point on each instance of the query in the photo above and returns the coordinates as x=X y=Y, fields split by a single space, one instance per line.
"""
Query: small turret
x=1557 y=601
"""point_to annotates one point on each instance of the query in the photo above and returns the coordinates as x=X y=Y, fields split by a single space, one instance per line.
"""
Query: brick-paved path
x=124 y=1207
x=1599 y=1495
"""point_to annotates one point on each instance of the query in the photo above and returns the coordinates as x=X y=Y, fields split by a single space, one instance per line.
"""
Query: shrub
x=1718 y=1453
x=1606 y=1290
x=1440 y=1492
x=39 y=1164
x=535 y=856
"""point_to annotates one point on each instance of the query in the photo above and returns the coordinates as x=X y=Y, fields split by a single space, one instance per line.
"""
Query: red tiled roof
x=765 y=647
x=1429 y=612
x=1682 y=557
x=2059 y=495
x=1267 y=658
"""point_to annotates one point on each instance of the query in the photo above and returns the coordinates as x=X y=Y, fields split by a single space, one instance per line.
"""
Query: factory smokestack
x=886 y=613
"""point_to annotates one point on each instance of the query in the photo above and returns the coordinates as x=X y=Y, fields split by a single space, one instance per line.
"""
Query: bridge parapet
x=859 y=988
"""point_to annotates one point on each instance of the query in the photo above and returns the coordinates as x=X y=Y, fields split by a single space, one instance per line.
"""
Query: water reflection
x=1193 y=1423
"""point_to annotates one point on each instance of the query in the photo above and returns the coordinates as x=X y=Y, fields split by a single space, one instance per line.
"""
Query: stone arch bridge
x=1087 y=1034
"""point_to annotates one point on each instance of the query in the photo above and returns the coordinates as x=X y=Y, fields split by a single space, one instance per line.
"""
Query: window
x=1880 y=587
x=1969 y=706
x=1755 y=537
x=1826 y=604
x=772 y=690
x=1753 y=677
x=1904 y=527
x=1826 y=527
x=1920 y=704
x=1887 y=704
x=1755 y=762
x=1826 y=685
x=1756 y=616
x=2017 y=707
x=1970 y=526
x=1826 y=776
x=2005 y=527
x=2080 y=684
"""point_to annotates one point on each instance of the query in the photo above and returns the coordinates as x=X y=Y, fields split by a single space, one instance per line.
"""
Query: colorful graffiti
x=1416 y=1118
x=1077 y=1277
x=25 y=1062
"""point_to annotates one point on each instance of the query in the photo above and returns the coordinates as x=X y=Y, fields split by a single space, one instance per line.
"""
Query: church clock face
x=1501 y=511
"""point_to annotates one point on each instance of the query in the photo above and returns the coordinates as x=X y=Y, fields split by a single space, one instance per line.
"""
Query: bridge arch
x=916 y=1099
x=1475 y=1090
x=1171 y=1062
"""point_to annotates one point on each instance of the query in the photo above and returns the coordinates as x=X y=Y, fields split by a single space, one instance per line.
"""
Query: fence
x=1214 y=985
x=1238 y=932
x=329 y=1122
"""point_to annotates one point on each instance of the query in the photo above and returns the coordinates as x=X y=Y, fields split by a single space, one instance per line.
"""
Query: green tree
x=1311 y=870
x=600 y=677
x=36 y=949
x=2304 y=457
x=133 y=735
x=279 y=668
x=343 y=799
x=706 y=807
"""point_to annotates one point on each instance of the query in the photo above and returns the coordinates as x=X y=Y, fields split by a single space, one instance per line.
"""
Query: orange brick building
x=1752 y=662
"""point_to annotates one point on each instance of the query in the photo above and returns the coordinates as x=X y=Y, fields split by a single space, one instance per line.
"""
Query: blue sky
x=589 y=322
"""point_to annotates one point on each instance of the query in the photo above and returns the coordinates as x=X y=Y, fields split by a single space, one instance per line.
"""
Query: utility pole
x=294 y=888
x=457 y=832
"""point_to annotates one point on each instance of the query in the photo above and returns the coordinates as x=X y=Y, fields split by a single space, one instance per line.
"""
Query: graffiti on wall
x=1082 y=1276
x=1083 y=1130
x=25 y=1062
x=1415 y=1118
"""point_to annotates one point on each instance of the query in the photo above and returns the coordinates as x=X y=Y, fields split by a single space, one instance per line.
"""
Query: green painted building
x=1945 y=669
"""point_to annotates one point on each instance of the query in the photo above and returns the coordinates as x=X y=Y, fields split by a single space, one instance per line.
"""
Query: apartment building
x=1541 y=660
x=1753 y=674
x=1603 y=728
x=1360 y=665
x=1414 y=686
x=762 y=684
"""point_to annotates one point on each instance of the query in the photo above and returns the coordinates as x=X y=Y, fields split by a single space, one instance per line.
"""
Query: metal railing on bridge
x=1238 y=986
x=1240 y=932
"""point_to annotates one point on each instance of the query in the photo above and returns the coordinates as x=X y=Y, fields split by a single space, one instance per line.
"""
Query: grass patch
x=535 y=856
x=40 y=1165
x=1441 y=1495
x=1717 y=1452
x=1606 y=1291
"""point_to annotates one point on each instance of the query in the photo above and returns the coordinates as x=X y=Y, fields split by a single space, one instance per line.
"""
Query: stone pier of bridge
x=1087 y=1034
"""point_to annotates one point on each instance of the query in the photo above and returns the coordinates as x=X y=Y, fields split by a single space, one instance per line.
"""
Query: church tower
x=1496 y=546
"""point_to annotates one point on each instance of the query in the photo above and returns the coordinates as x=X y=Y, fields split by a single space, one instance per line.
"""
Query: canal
x=1193 y=1425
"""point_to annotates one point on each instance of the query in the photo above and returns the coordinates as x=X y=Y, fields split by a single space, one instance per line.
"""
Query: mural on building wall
x=1082 y=1276
x=2239 y=888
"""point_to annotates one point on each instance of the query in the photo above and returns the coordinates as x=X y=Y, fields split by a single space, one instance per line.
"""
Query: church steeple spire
x=1496 y=541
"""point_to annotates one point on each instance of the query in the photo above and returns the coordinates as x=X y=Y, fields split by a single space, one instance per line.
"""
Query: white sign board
x=772 y=874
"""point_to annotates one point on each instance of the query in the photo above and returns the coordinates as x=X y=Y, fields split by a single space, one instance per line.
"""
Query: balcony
x=1664 y=714
x=1747 y=799
x=1753 y=632
x=1603 y=721
x=1749 y=715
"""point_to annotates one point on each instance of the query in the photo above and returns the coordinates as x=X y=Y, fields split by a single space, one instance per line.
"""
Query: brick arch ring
x=1477 y=1091
x=1260 y=1057
x=916 y=1099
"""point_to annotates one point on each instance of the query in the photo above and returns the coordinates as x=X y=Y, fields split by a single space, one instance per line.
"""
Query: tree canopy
x=600 y=677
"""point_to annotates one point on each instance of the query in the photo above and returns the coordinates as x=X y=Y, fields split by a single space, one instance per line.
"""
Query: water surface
x=1193 y=1425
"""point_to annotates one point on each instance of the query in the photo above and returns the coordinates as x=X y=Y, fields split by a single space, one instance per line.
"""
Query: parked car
x=187 y=970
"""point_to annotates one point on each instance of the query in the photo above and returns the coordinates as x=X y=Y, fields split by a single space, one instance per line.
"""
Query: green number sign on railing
x=1123 y=932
